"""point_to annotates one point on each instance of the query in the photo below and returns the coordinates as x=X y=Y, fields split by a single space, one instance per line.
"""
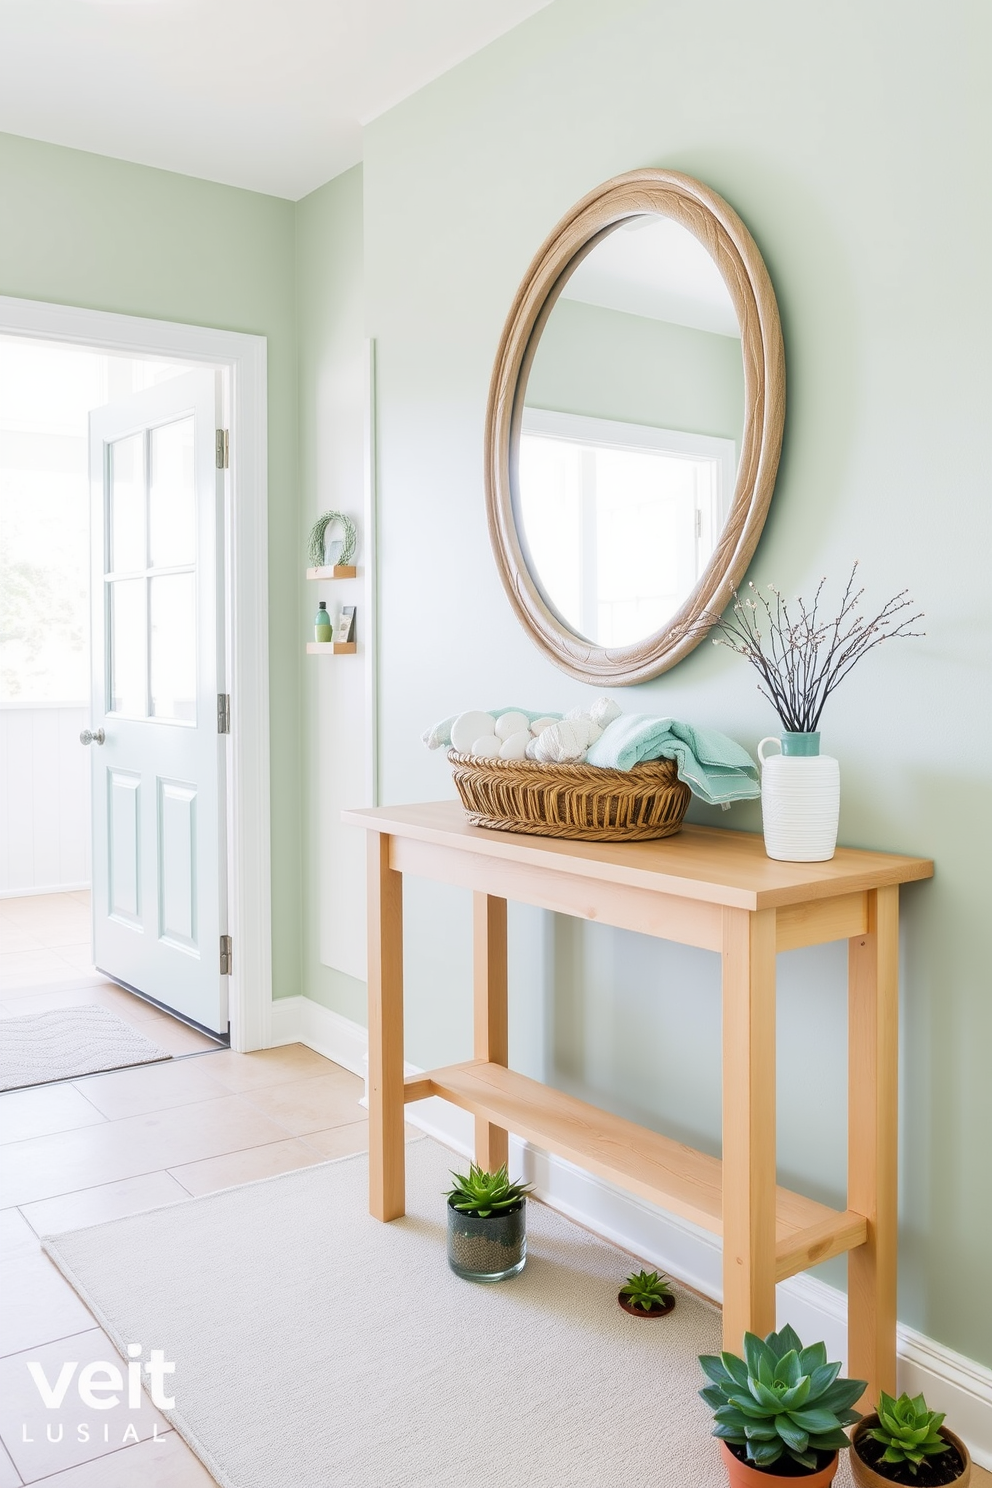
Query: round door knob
x=92 y=736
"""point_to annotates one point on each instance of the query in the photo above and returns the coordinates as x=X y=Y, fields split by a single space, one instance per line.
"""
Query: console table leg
x=873 y=1116
x=748 y=1124
x=387 y=1174
x=489 y=975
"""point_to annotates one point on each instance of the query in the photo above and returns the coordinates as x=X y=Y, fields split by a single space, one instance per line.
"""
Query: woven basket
x=580 y=801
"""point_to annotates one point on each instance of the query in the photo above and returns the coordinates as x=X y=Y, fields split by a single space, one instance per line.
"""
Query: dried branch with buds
x=801 y=658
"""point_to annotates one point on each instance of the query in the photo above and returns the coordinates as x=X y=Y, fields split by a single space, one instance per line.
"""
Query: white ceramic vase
x=800 y=799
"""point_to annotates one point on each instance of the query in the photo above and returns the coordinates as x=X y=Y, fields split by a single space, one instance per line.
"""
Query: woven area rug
x=37 y=1048
x=317 y=1348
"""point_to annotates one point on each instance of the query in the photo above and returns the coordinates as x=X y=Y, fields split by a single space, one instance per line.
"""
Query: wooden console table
x=704 y=887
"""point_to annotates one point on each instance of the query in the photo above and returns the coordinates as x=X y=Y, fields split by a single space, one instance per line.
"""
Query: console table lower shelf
x=704 y=887
x=667 y=1173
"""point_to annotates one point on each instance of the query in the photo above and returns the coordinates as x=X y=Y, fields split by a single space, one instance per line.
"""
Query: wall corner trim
x=952 y=1383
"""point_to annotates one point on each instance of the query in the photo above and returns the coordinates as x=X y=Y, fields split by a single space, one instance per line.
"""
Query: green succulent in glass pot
x=487 y=1225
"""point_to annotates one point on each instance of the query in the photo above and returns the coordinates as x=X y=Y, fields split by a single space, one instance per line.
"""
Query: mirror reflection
x=631 y=432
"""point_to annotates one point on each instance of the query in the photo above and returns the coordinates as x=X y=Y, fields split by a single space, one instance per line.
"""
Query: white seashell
x=512 y=723
x=515 y=747
x=487 y=747
x=532 y=749
x=470 y=726
x=540 y=724
x=603 y=711
x=560 y=744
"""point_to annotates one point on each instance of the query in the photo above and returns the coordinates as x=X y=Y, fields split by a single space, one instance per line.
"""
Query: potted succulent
x=780 y=1411
x=646 y=1294
x=906 y=1442
x=487 y=1225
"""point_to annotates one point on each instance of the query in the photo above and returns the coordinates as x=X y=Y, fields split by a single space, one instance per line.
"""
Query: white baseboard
x=950 y=1382
x=66 y=888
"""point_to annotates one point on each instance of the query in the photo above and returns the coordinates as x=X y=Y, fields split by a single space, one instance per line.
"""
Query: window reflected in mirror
x=631 y=432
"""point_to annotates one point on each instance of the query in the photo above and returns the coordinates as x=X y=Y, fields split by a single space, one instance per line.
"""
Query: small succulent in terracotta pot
x=906 y=1442
x=646 y=1294
x=780 y=1412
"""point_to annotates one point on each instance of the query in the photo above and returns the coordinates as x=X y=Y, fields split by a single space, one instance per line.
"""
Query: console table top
x=711 y=864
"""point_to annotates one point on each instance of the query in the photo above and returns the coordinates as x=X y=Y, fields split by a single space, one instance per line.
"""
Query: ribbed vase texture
x=800 y=807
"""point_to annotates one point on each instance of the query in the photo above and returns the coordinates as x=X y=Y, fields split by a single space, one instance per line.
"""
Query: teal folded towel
x=714 y=768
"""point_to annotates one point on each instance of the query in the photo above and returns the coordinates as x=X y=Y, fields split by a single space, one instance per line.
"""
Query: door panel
x=159 y=898
x=177 y=863
x=123 y=836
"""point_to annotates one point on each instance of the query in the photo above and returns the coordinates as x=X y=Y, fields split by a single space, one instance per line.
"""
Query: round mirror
x=634 y=426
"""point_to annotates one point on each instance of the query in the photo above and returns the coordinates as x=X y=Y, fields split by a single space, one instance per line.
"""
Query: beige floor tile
x=78 y=955
x=245 y=1167
x=22 y=1413
x=17 y=1238
x=27 y=906
x=154 y=1087
x=14 y=937
x=44 y=1109
x=340 y=1141
x=14 y=964
x=90 y=1206
x=268 y=1067
x=9 y=1476
x=167 y=1463
x=176 y=1037
x=38 y=1304
x=46 y=1166
x=343 y=1141
x=312 y=1105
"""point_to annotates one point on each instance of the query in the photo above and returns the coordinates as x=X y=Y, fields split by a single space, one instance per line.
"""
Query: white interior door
x=159 y=834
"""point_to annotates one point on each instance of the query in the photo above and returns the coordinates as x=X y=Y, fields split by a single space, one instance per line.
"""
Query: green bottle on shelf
x=322 y=623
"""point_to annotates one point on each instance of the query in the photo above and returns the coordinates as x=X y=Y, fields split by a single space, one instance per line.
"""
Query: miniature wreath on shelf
x=315 y=544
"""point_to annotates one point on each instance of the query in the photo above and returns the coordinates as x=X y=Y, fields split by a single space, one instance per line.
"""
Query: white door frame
x=246 y=542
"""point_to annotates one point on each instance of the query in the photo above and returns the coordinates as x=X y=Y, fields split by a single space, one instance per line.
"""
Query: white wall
x=44 y=799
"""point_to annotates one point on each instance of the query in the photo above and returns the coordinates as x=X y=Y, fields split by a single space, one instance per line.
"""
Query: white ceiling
x=267 y=94
x=654 y=266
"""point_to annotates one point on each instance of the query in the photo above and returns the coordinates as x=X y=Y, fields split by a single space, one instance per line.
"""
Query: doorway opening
x=48 y=391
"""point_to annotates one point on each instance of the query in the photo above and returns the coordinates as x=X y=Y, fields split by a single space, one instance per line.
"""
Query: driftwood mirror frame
x=718 y=227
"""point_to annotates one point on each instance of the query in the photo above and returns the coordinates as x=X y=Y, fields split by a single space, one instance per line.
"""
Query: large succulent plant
x=481 y=1194
x=780 y=1399
x=908 y=1430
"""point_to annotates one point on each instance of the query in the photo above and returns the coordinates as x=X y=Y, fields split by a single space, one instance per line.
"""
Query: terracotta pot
x=639 y=1312
x=743 y=1475
x=867 y=1477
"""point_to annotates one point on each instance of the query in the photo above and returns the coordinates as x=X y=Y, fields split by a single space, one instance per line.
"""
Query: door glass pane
x=127 y=504
x=127 y=647
x=172 y=507
x=173 y=682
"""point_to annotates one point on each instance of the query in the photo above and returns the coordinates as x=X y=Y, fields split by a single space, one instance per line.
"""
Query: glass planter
x=487 y=1249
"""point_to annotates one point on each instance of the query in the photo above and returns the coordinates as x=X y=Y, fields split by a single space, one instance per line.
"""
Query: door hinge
x=226 y=955
x=699 y=522
x=223 y=712
x=222 y=449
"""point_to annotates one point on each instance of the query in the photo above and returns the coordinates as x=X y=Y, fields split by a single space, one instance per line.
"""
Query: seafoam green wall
x=80 y=229
x=331 y=309
x=854 y=140
x=612 y=365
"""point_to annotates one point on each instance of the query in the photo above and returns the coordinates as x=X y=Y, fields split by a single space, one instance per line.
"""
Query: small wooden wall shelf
x=704 y=887
x=339 y=571
x=331 y=648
